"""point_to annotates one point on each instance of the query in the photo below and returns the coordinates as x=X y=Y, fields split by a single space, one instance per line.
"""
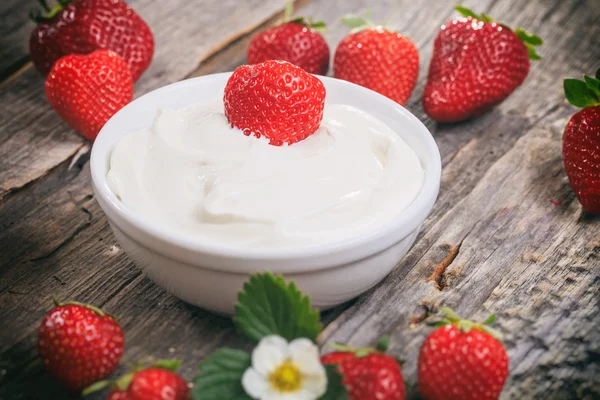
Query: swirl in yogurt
x=192 y=173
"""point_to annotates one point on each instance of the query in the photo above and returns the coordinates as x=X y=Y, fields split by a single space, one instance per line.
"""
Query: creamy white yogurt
x=192 y=173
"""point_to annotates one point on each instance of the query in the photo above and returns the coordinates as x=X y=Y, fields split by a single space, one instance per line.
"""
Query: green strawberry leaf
x=598 y=74
x=95 y=387
x=298 y=20
x=493 y=332
x=578 y=93
x=485 y=18
x=170 y=365
x=335 y=388
x=268 y=306
x=383 y=343
x=533 y=55
x=530 y=41
x=491 y=319
x=354 y=21
x=466 y=12
x=437 y=324
x=450 y=314
x=530 y=38
x=593 y=84
x=220 y=376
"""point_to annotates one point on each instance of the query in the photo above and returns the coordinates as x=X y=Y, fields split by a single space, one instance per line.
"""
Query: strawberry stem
x=289 y=10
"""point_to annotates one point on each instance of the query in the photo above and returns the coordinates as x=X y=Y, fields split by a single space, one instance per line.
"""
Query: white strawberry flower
x=285 y=371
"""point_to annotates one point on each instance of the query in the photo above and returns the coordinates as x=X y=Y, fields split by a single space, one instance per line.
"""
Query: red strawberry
x=581 y=141
x=368 y=374
x=84 y=26
x=476 y=64
x=118 y=395
x=86 y=90
x=275 y=99
x=462 y=360
x=297 y=41
x=378 y=59
x=79 y=344
x=157 y=382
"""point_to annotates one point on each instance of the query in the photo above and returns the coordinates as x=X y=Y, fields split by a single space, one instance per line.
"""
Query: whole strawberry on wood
x=79 y=344
x=377 y=58
x=368 y=374
x=274 y=99
x=475 y=65
x=462 y=360
x=159 y=381
x=86 y=90
x=84 y=26
x=297 y=41
x=581 y=141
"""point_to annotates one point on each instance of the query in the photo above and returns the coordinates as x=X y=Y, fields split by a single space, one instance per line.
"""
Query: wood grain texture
x=496 y=210
x=15 y=27
x=512 y=251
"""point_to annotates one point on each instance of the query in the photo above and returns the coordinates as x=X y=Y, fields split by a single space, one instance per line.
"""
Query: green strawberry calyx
x=450 y=317
x=583 y=93
x=123 y=382
x=97 y=310
x=319 y=26
x=382 y=346
x=529 y=39
x=362 y=22
x=49 y=12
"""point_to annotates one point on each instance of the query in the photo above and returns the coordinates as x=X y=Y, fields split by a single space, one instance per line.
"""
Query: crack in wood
x=121 y=287
x=88 y=212
x=63 y=243
x=15 y=70
x=428 y=307
x=11 y=191
x=438 y=276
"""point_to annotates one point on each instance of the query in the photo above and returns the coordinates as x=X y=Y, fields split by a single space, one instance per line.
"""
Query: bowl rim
x=346 y=250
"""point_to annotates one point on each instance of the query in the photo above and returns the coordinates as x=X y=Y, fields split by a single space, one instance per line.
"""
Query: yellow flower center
x=286 y=378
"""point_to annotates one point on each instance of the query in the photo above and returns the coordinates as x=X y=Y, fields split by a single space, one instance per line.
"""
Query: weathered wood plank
x=34 y=139
x=85 y=265
x=493 y=264
x=15 y=27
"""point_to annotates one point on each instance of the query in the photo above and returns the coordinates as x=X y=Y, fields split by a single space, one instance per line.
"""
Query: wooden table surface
x=507 y=234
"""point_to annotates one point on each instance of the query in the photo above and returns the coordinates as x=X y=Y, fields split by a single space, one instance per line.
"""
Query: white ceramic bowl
x=210 y=275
